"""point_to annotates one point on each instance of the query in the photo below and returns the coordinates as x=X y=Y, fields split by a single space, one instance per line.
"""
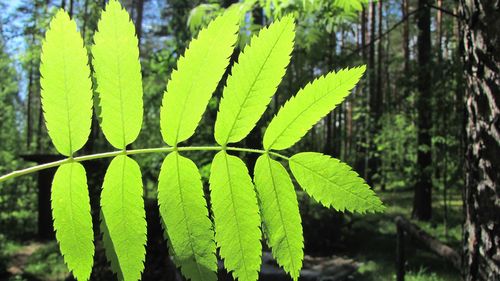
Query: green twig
x=37 y=168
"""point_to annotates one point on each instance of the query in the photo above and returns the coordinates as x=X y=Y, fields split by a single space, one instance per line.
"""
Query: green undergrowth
x=47 y=263
x=371 y=240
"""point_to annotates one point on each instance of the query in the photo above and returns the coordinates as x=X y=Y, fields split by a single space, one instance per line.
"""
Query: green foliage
x=72 y=220
x=333 y=183
x=238 y=212
x=236 y=216
x=66 y=86
x=185 y=217
x=46 y=263
x=253 y=81
x=197 y=75
x=118 y=75
x=123 y=220
x=351 y=5
x=397 y=147
x=310 y=104
x=201 y=14
x=280 y=214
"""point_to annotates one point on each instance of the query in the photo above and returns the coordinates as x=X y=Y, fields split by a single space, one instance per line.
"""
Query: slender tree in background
x=373 y=99
x=361 y=155
x=422 y=206
x=378 y=99
x=139 y=5
x=481 y=56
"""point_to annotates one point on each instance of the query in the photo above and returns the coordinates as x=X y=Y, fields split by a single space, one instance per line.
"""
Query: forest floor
x=369 y=240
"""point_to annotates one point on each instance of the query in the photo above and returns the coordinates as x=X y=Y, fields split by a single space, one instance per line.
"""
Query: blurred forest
x=403 y=128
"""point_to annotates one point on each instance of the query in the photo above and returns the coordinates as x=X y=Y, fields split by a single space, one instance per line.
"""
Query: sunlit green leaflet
x=117 y=71
x=185 y=217
x=67 y=105
x=239 y=208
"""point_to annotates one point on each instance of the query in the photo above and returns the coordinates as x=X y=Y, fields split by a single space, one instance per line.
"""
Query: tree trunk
x=85 y=19
x=406 y=36
x=439 y=33
x=422 y=201
x=379 y=99
x=70 y=12
x=361 y=163
x=138 y=20
x=481 y=56
x=374 y=99
x=329 y=147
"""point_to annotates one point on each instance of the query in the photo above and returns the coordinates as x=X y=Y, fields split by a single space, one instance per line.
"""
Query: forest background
x=403 y=128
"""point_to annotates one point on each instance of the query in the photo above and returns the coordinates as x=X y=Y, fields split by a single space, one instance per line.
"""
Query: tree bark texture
x=481 y=56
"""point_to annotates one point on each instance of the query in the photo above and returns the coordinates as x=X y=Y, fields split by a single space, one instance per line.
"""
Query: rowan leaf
x=254 y=80
x=310 y=104
x=333 y=183
x=118 y=74
x=279 y=210
x=197 y=75
x=123 y=219
x=72 y=220
x=66 y=87
x=184 y=214
x=236 y=216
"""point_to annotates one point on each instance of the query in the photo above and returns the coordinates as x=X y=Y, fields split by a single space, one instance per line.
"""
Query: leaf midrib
x=188 y=228
x=66 y=97
x=118 y=68
x=376 y=207
x=186 y=97
x=250 y=89
x=234 y=211
x=281 y=214
x=297 y=116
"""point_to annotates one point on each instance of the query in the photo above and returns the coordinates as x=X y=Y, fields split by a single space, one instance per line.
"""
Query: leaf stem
x=167 y=149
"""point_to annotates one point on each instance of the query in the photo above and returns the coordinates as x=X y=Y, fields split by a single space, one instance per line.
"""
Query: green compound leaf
x=185 y=217
x=280 y=214
x=72 y=220
x=123 y=219
x=118 y=75
x=310 y=104
x=254 y=81
x=333 y=183
x=236 y=216
x=66 y=86
x=197 y=75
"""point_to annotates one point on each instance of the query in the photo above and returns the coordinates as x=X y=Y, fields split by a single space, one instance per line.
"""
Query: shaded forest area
x=422 y=128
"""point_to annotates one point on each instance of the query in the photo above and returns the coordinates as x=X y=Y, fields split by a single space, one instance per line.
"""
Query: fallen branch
x=436 y=246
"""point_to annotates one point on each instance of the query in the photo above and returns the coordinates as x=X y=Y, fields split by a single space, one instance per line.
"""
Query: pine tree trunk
x=70 y=12
x=380 y=96
x=138 y=20
x=373 y=97
x=439 y=29
x=329 y=147
x=422 y=200
x=360 y=165
x=481 y=56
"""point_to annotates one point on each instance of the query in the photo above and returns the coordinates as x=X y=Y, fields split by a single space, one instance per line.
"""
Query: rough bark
x=422 y=203
x=481 y=56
